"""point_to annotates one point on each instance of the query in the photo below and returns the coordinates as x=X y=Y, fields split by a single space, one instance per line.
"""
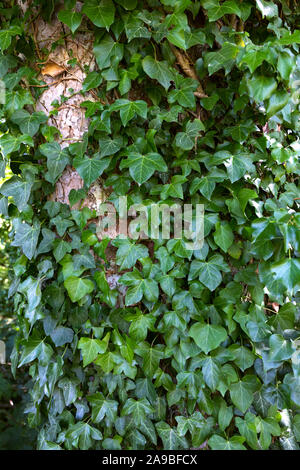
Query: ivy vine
x=190 y=101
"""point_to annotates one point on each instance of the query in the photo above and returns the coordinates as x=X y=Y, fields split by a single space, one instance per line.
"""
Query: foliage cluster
x=197 y=101
x=14 y=432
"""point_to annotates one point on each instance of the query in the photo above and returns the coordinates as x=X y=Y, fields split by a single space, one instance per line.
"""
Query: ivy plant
x=190 y=101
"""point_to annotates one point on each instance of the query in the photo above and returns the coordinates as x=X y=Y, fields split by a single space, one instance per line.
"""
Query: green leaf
x=109 y=146
x=101 y=13
x=92 y=80
x=28 y=123
x=261 y=87
x=106 y=50
x=285 y=65
x=26 y=238
x=158 y=70
x=288 y=271
x=241 y=393
x=142 y=167
x=207 y=337
x=103 y=408
x=211 y=373
x=237 y=166
x=268 y=9
x=208 y=271
x=216 y=442
x=170 y=437
x=83 y=434
x=62 y=335
x=186 y=140
x=135 y=28
x=244 y=358
x=128 y=109
x=19 y=189
x=216 y=11
x=106 y=361
x=280 y=348
x=90 y=348
x=223 y=235
x=77 y=288
x=277 y=101
x=90 y=168
x=184 y=95
x=128 y=252
x=57 y=159
x=224 y=58
x=34 y=348
x=6 y=36
x=71 y=18
x=69 y=389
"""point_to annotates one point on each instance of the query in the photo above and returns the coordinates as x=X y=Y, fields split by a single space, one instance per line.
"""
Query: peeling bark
x=66 y=80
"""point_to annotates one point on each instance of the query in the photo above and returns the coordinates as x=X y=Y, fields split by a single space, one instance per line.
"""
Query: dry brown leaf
x=52 y=69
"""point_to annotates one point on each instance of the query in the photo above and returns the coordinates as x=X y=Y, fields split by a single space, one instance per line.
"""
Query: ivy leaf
x=216 y=11
x=90 y=168
x=205 y=185
x=184 y=94
x=277 y=101
x=26 y=237
x=280 y=348
x=109 y=146
x=101 y=13
x=261 y=87
x=244 y=358
x=127 y=4
x=208 y=271
x=207 y=337
x=71 y=18
x=268 y=9
x=92 y=80
x=77 y=288
x=62 y=335
x=29 y=123
x=102 y=407
x=216 y=442
x=242 y=392
x=142 y=167
x=6 y=36
x=158 y=70
x=224 y=58
x=128 y=252
x=170 y=437
x=288 y=271
x=19 y=189
x=128 y=109
x=12 y=143
x=83 y=434
x=186 y=140
x=106 y=50
x=57 y=159
x=90 y=348
x=223 y=235
x=254 y=57
x=135 y=28
x=139 y=409
x=211 y=373
x=34 y=348
x=237 y=165
x=69 y=389
x=106 y=361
